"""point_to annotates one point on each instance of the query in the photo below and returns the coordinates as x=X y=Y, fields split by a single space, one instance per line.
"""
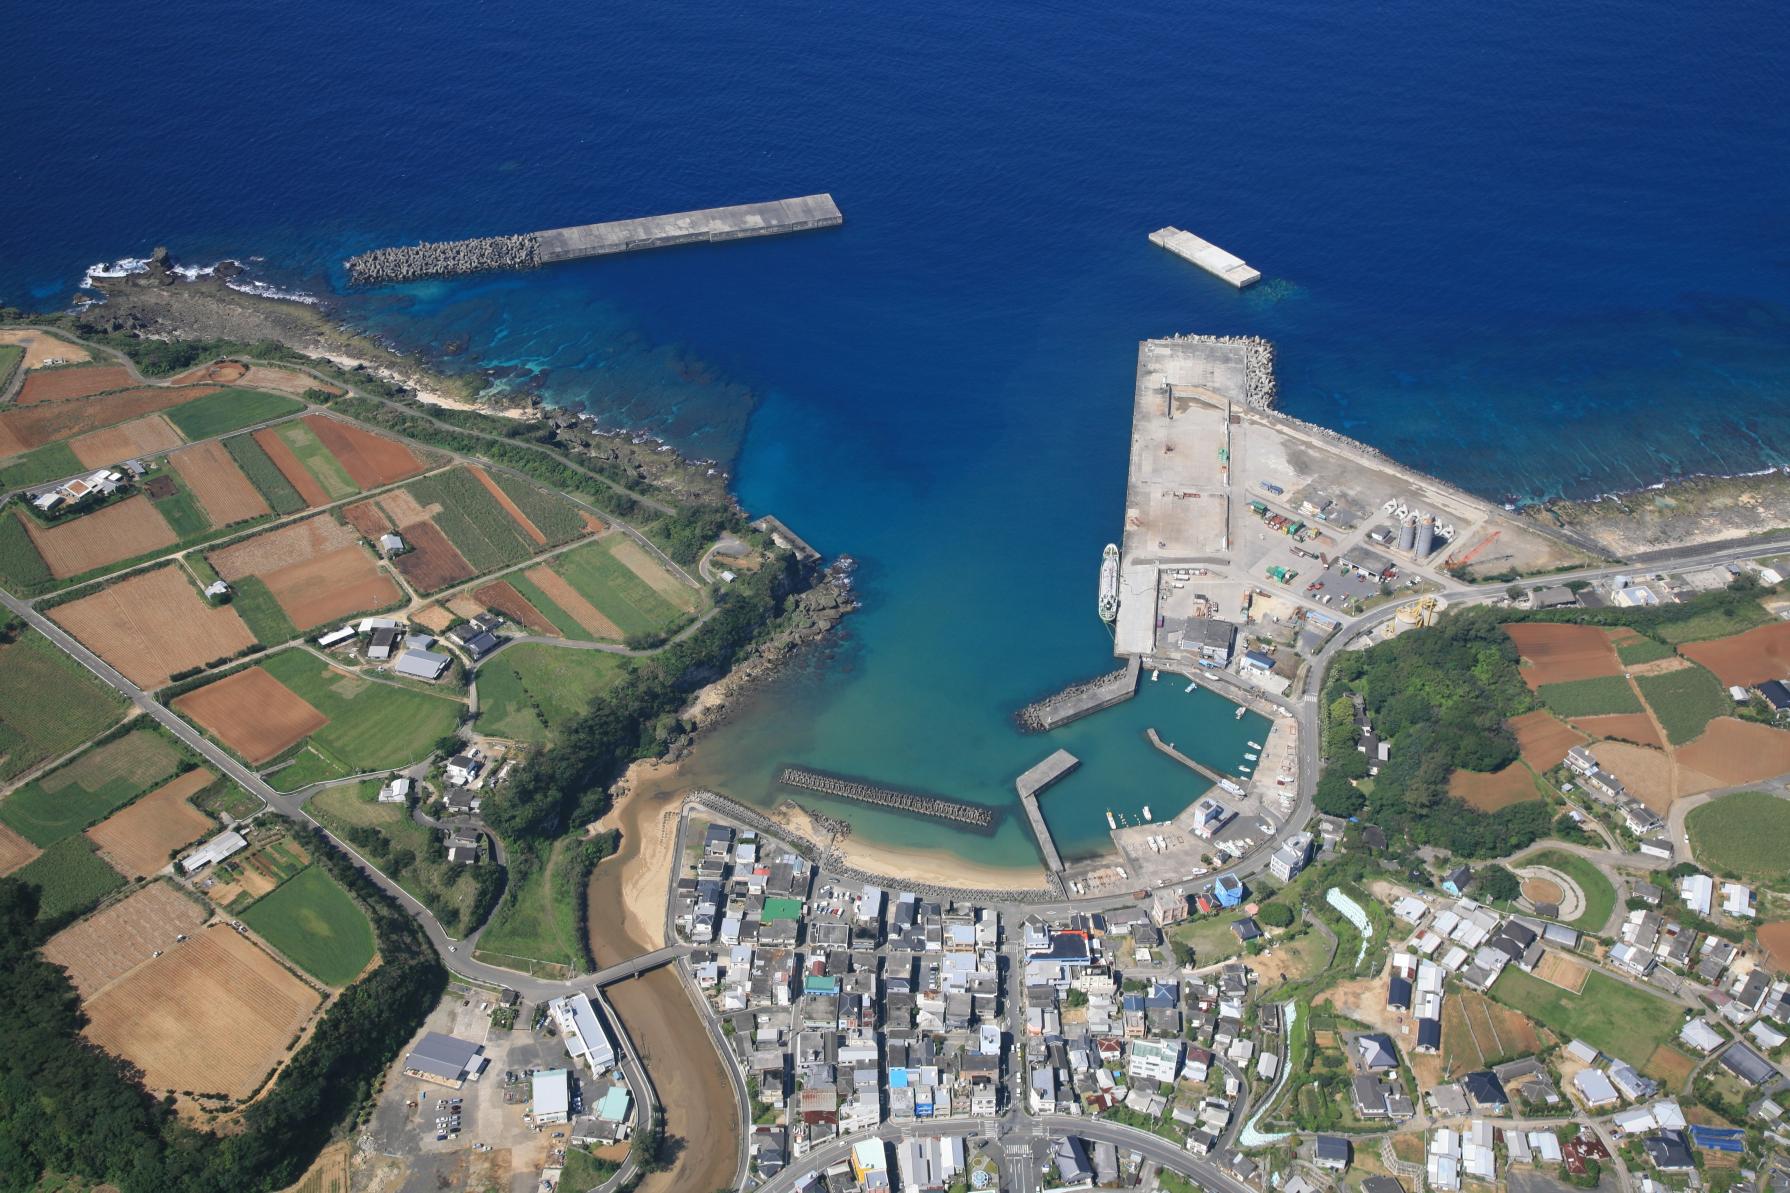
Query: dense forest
x=67 y=1107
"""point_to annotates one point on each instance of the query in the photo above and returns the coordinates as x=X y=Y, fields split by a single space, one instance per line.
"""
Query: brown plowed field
x=138 y=839
x=286 y=381
x=1651 y=776
x=434 y=617
x=297 y=542
x=130 y=528
x=146 y=436
x=1544 y=738
x=222 y=490
x=104 y=947
x=41 y=346
x=295 y=472
x=513 y=605
x=1560 y=970
x=253 y=713
x=554 y=587
x=1745 y=659
x=15 y=851
x=432 y=562
x=152 y=625
x=404 y=509
x=1558 y=653
x=1775 y=939
x=370 y=460
x=225 y=372
x=1499 y=789
x=213 y=1014
x=509 y=506
x=1735 y=751
x=331 y=586
x=55 y=385
x=368 y=518
x=1637 y=727
x=33 y=426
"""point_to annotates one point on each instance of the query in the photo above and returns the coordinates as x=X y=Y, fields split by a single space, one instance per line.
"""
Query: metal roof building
x=552 y=1096
x=583 y=1032
x=444 y=1059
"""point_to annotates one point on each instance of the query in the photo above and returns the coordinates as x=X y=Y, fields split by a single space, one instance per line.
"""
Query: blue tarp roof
x=1719 y=1139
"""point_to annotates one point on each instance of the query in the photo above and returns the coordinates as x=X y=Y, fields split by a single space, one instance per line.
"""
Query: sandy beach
x=903 y=863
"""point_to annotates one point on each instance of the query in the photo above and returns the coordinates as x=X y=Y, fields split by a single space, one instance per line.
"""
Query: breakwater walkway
x=1184 y=760
x=1078 y=700
x=450 y=258
x=805 y=779
x=1029 y=785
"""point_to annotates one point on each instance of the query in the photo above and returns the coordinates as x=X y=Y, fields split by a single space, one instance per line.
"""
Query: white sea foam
x=123 y=267
x=264 y=290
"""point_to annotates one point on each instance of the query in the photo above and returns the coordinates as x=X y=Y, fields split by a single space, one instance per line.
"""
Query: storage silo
x=1426 y=536
x=1407 y=535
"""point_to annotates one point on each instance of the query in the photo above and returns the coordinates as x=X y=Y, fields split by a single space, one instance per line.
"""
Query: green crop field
x=1611 y=1016
x=472 y=520
x=607 y=583
x=528 y=691
x=317 y=925
x=71 y=877
x=262 y=473
x=49 y=704
x=562 y=621
x=1600 y=896
x=52 y=461
x=1745 y=834
x=372 y=725
x=536 y=921
x=10 y=357
x=228 y=410
x=1685 y=701
x=181 y=508
x=403 y=848
x=552 y=515
x=317 y=459
x=1607 y=694
x=263 y=615
x=1713 y=623
x=1646 y=650
x=90 y=788
x=21 y=567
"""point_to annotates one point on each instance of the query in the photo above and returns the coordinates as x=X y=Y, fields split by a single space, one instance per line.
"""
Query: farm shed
x=214 y=850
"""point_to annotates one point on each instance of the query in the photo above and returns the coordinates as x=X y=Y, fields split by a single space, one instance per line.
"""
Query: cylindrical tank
x=1407 y=534
x=1426 y=536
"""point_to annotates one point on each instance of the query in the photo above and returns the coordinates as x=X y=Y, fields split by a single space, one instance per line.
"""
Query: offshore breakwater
x=803 y=778
x=450 y=258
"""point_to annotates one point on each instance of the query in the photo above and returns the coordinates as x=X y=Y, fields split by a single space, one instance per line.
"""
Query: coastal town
x=298 y=670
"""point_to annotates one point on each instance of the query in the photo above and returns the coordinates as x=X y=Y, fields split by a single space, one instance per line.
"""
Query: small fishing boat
x=1240 y=711
x=1191 y=684
x=1255 y=745
x=1110 y=822
x=1146 y=813
x=1154 y=675
x=1252 y=757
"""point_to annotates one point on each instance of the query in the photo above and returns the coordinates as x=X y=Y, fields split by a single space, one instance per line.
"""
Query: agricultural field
x=11 y=357
x=235 y=884
x=369 y=460
x=25 y=427
x=401 y=848
x=556 y=520
x=503 y=597
x=145 y=436
x=49 y=704
x=1733 y=751
x=229 y=410
x=1714 y=623
x=1600 y=896
x=123 y=530
x=1748 y=658
x=71 y=878
x=1685 y=701
x=62 y=384
x=41 y=347
x=213 y=1015
x=154 y=624
x=1488 y=792
x=1558 y=653
x=314 y=462
x=92 y=787
x=261 y=472
x=610 y=589
x=221 y=488
x=51 y=462
x=1478 y=1033
x=528 y=691
x=1638 y=651
x=255 y=604
x=1746 y=834
x=140 y=839
x=535 y=927
x=316 y=570
x=104 y=947
x=317 y=925
x=1611 y=1016
x=168 y=492
x=1601 y=696
x=1544 y=739
x=473 y=521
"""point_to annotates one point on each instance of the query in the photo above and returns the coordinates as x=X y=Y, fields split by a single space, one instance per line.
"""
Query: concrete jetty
x=1208 y=256
x=919 y=804
x=1184 y=760
x=530 y=249
x=1078 y=700
x=1030 y=785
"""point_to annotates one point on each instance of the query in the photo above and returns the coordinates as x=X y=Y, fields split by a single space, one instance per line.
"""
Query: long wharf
x=1029 y=785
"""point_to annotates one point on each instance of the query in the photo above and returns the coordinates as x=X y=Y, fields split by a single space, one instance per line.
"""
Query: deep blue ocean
x=1533 y=248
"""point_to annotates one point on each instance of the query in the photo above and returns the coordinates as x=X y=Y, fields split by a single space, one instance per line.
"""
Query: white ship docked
x=1109 y=583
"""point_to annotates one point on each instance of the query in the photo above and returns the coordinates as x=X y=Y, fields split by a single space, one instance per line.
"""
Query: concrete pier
x=1198 y=767
x=1078 y=700
x=530 y=249
x=919 y=804
x=1208 y=256
x=1030 y=785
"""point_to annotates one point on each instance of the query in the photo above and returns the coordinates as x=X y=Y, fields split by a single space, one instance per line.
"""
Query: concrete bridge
x=635 y=966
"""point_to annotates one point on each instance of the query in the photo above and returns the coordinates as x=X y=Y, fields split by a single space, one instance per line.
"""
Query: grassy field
x=71 y=876
x=181 y=508
x=624 y=598
x=535 y=922
x=49 y=704
x=1747 y=834
x=527 y=692
x=1713 y=623
x=52 y=461
x=552 y=515
x=257 y=608
x=442 y=886
x=90 y=788
x=1211 y=937
x=1644 y=650
x=1600 y=896
x=22 y=569
x=1607 y=694
x=372 y=725
x=10 y=357
x=584 y=1171
x=472 y=520
x=1609 y=1015
x=317 y=459
x=317 y=925
x=229 y=410
x=262 y=473
x=1685 y=701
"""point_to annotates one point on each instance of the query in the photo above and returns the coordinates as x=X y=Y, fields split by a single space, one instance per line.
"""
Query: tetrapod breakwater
x=920 y=804
x=1080 y=699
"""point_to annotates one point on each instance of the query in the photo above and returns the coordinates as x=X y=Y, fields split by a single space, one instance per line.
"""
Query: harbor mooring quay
x=1079 y=700
x=803 y=778
x=1030 y=785
x=527 y=250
